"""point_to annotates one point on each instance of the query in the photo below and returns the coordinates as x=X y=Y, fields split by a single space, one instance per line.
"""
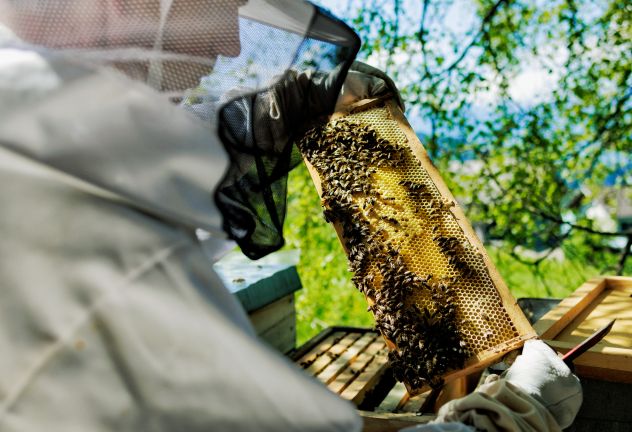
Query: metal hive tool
x=436 y=297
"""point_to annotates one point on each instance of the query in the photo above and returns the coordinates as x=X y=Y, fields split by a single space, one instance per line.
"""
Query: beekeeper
x=130 y=129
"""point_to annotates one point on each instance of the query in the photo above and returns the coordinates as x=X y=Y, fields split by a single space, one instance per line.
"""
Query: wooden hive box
x=352 y=362
x=590 y=307
x=266 y=291
x=438 y=300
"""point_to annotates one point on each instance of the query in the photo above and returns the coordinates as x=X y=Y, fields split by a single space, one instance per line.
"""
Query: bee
x=369 y=202
x=445 y=205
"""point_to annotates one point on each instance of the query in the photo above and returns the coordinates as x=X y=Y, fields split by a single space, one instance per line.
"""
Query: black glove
x=365 y=82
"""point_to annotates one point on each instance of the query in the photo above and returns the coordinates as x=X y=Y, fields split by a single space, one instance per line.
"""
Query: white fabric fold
x=498 y=405
x=111 y=316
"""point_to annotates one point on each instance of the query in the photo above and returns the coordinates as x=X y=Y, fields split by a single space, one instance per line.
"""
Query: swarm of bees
x=428 y=341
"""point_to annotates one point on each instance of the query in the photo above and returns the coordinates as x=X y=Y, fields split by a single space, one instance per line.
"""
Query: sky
x=533 y=85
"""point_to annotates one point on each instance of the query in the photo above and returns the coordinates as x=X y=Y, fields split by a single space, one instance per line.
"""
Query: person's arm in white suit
x=537 y=393
x=111 y=316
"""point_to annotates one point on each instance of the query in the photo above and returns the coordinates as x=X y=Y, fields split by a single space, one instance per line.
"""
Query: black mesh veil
x=257 y=72
x=252 y=196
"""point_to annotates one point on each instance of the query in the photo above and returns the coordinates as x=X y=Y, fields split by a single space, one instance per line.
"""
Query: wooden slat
x=319 y=349
x=553 y=322
x=328 y=374
x=608 y=305
x=396 y=397
x=366 y=381
x=282 y=335
x=603 y=374
x=609 y=363
x=332 y=353
x=618 y=282
x=452 y=390
x=390 y=422
x=268 y=316
x=357 y=367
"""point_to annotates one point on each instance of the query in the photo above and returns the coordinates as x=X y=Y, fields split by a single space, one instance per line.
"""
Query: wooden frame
x=523 y=328
x=351 y=362
x=591 y=306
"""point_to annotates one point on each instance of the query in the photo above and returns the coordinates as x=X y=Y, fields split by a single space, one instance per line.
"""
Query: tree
x=526 y=107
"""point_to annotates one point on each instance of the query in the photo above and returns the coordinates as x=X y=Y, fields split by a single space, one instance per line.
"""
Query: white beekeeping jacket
x=111 y=317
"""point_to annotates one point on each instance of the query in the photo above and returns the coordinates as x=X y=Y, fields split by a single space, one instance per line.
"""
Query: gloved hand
x=364 y=82
x=258 y=130
x=542 y=374
x=537 y=393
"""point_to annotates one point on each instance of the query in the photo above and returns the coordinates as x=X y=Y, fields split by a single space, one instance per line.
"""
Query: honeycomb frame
x=423 y=231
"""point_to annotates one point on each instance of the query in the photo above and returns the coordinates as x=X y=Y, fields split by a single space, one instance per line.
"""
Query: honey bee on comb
x=408 y=251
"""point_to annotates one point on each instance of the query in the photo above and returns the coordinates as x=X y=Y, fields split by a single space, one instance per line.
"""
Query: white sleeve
x=111 y=320
x=498 y=405
x=111 y=317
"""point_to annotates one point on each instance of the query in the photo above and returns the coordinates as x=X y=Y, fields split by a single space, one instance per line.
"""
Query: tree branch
x=603 y=128
x=488 y=17
x=535 y=210
x=624 y=255
x=556 y=219
x=391 y=49
x=422 y=39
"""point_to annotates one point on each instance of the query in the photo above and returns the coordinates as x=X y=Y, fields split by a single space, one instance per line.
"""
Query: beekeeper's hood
x=128 y=139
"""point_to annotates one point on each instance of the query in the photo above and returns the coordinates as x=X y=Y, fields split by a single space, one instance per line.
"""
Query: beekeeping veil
x=255 y=72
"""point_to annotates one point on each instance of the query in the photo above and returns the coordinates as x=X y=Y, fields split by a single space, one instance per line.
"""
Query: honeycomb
x=428 y=286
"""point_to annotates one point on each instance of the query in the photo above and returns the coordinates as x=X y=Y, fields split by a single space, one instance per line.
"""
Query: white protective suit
x=111 y=317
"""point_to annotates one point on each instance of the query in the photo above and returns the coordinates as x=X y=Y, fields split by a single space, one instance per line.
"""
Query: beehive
x=436 y=297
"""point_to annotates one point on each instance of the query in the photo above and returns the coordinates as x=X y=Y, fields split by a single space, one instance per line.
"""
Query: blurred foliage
x=526 y=109
x=524 y=105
